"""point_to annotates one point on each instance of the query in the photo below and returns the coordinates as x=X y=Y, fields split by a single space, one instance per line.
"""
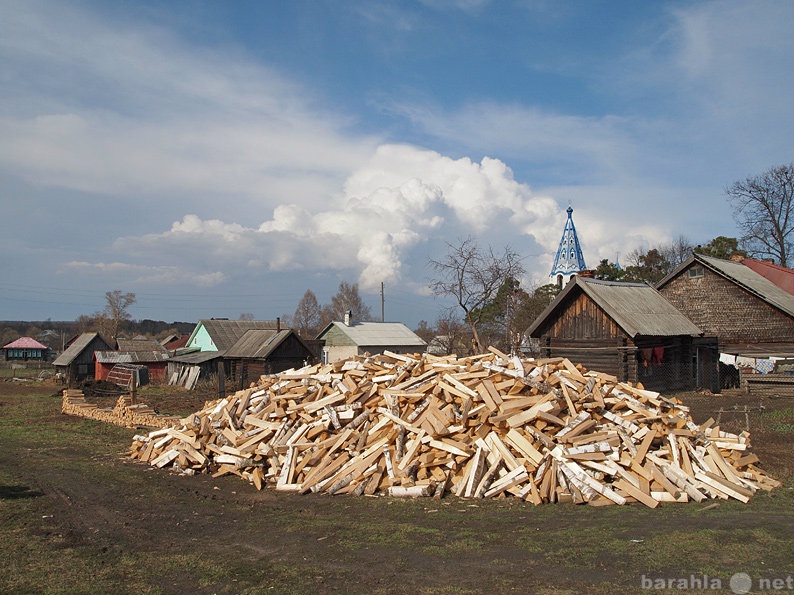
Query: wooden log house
x=625 y=329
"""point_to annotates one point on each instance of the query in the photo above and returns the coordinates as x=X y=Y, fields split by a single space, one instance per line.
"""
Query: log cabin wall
x=584 y=333
x=617 y=357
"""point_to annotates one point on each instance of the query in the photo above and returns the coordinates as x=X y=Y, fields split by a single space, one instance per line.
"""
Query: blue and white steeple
x=569 y=259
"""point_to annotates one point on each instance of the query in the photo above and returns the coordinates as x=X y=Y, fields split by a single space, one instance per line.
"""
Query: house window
x=696 y=272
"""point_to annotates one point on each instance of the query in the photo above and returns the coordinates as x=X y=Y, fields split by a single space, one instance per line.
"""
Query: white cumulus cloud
x=390 y=206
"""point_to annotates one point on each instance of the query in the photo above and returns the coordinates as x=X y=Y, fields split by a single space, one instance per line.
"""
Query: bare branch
x=473 y=276
x=763 y=212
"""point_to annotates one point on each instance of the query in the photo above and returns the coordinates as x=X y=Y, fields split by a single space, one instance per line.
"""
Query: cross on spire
x=569 y=259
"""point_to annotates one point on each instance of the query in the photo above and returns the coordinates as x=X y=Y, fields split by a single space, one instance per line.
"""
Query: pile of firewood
x=124 y=413
x=484 y=426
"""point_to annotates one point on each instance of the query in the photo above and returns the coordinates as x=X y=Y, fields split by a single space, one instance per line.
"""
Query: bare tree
x=425 y=332
x=472 y=276
x=116 y=310
x=678 y=251
x=452 y=335
x=86 y=324
x=347 y=298
x=247 y=316
x=306 y=319
x=763 y=213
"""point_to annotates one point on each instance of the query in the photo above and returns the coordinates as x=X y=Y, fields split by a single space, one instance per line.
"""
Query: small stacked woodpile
x=483 y=426
x=124 y=413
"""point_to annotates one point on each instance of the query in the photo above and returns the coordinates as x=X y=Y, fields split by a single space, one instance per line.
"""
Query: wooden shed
x=140 y=351
x=76 y=363
x=260 y=352
x=625 y=329
x=205 y=353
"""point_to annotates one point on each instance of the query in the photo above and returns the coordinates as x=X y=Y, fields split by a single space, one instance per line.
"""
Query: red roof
x=177 y=343
x=25 y=343
x=780 y=276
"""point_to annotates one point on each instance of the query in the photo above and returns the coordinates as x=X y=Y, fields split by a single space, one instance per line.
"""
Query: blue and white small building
x=569 y=260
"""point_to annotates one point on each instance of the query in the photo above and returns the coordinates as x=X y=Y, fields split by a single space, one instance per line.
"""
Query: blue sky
x=220 y=158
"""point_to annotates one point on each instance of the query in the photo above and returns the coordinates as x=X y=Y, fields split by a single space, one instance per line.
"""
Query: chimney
x=278 y=324
x=348 y=317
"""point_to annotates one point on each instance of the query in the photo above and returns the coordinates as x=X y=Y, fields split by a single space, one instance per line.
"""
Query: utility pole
x=382 y=304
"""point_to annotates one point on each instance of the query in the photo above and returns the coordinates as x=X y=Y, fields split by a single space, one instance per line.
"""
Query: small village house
x=76 y=363
x=343 y=339
x=744 y=306
x=743 y=309
x=206 y=352
x=265 y=351
x=26 y=349
x=627 y=330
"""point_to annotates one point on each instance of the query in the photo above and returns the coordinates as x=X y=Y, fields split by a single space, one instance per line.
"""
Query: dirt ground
x=271 y=542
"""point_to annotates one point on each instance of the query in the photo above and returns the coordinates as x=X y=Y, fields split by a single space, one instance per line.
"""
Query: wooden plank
x=520 y=419
x=636 y=493
x=518 y=440
x=643 y=448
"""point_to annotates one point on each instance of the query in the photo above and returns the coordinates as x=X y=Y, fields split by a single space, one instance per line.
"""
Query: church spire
x=569 y=259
